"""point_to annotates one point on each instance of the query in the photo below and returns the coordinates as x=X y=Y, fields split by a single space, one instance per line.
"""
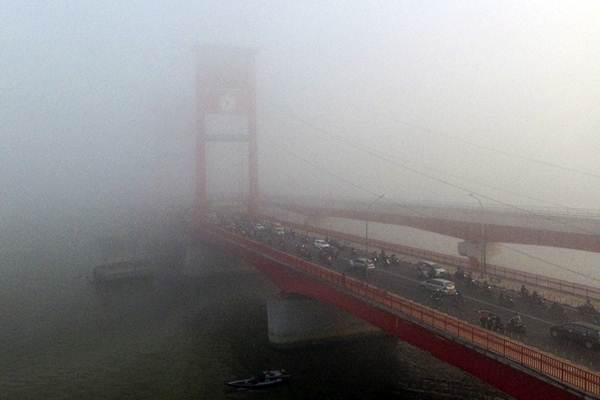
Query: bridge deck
x=509 y=351
x=576 y=290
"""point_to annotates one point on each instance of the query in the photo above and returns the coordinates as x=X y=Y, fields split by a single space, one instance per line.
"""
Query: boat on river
x=122 y=271
x=262 y=380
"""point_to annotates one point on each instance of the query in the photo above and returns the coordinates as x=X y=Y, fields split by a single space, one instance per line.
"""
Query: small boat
x=133 y=270
x=263 y=380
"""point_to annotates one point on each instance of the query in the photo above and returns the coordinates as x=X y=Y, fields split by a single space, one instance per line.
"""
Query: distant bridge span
x=519 y=370
x=466 y=230
x=226 y=85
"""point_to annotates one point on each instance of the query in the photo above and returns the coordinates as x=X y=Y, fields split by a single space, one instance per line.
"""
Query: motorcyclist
x=524 y=291
x=505 y=299
x=459 y=274
x=436 y=296
x=588 y=307
x=458 y=298
x=483 y=319
x=495 y=322
x=516 y=320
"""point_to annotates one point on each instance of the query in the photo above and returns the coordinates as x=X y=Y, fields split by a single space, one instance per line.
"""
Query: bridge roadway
x=403 y=280
x=576 y=292
x=523 y=371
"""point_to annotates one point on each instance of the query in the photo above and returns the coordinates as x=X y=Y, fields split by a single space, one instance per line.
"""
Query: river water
x=181 y=338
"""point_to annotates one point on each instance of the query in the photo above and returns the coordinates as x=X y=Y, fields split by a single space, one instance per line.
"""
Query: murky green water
x=180 y=339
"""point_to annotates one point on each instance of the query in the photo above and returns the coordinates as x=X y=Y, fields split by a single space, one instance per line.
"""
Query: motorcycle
x=421 y=274
x=326 y=257
x=537 y=300
x=385 y=262
x=304 y=252
x=470 y=283
x=490 y=321
x=437 y=297
x=484 y=288
x=459 y=275
x=587 y=309
x=457 y=299
x=516 y=327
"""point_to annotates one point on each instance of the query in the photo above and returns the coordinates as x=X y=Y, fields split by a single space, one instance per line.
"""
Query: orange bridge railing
x=543 y=282
x=558 y=369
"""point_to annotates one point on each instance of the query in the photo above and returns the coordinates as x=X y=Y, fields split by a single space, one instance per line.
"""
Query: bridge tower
x=226 y=88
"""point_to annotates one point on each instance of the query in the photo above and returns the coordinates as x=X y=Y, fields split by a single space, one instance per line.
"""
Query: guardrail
x=558 y=369
x=540 y=281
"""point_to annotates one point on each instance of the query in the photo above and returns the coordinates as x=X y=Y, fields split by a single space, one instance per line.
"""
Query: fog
x=417 y=101
x=97 y=102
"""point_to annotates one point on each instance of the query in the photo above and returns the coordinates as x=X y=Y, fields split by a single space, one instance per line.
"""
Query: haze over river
x=181 y=338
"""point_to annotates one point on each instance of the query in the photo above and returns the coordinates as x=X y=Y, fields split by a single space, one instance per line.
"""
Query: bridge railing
x=534 y=359
x=540 y=281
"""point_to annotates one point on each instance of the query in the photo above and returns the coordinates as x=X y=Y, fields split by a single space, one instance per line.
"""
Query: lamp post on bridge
x=371 y=204
x=482 y=244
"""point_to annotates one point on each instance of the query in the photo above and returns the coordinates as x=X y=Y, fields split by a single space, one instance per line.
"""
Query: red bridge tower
x=226 y=86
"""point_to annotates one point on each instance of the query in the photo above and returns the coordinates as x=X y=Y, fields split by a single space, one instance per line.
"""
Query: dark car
x=361 y=263
x=430 y=270
x=583 y=333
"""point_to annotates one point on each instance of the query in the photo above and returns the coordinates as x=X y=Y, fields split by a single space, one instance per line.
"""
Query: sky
x=97 y=102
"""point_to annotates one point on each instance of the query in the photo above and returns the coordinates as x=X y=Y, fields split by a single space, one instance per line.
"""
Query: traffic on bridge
x=522 y=316
x=350 y=200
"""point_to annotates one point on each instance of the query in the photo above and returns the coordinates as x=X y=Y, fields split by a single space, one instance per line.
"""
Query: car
x=429 y=269
x=439 y=285
x=583 y=333
x=362 y=263
x=259 y=227
x=320 y=244
x=278 y=229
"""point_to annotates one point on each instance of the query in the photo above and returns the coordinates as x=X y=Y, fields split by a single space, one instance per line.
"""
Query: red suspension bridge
x=226 y=86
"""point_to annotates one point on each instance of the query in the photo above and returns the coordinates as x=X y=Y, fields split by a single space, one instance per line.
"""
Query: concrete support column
x=478 y=253
x=297 y=320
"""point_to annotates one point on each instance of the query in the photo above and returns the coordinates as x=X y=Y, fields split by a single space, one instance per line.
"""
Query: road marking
x=477 y=300
x=474 y=299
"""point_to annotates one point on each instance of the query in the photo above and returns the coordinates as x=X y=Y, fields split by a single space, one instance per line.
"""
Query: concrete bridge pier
x=295 y=320
x=477 y=252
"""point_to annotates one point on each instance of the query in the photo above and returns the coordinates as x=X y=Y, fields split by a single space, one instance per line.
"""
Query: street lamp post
x=482 y=244
x=367 y=222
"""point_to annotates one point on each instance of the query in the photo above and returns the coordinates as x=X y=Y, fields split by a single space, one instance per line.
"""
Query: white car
x=439 y=285
x=321 y=244
x=278 y=229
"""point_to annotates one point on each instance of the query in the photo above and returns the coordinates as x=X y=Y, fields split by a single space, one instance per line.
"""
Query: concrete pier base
x=295 y=320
